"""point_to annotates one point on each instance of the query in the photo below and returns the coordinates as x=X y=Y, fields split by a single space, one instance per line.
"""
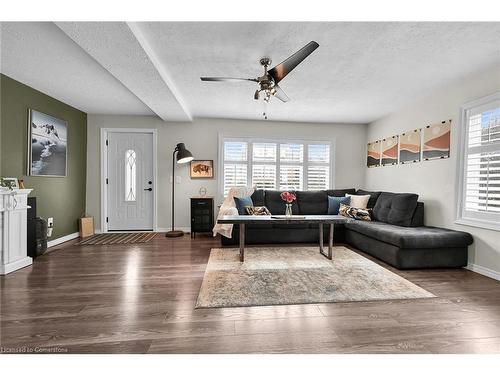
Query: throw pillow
x=258 y=211
x=241 y=203
x=355 y=213
x=334 y=204
x=358 y=201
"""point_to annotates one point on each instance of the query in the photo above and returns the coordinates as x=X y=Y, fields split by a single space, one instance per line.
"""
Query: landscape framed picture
x=47 y=145
x=202 y=169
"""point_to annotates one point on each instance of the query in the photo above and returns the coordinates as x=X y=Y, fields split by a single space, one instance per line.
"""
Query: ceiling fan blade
x=281 y=70
x=226 y=79
x=280 y=94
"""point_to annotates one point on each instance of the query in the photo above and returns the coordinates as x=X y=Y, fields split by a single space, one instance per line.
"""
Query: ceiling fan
x=268 y=82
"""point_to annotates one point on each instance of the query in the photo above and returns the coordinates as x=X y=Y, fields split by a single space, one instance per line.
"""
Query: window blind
x=275 y=164
x=481 y=185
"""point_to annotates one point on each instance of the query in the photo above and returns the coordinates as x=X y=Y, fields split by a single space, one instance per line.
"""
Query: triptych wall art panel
x=429 y=143
x=437 y=141
x=409 y=147
x=373 y=154
x=390 y=150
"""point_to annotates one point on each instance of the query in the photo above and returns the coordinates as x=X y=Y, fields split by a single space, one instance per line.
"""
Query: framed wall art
x=409 y=146
x=437 y=141
x=390 y=151
x=47 y=145
x=202 y=169
x=373 y=154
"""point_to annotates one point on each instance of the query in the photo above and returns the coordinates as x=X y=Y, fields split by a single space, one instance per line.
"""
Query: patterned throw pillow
x=355 y=213
x=258 y=211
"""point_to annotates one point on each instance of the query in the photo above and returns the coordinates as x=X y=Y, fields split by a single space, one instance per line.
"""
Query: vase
x=288 y=210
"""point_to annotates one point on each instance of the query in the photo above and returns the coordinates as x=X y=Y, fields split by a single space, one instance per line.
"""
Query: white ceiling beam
x=125 y=53
x=153 y=57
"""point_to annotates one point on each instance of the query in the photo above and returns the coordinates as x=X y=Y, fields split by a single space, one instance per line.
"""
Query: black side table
x=202 y=215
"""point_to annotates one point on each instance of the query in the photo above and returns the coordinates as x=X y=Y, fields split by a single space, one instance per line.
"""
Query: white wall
x=435 y=180
x=201 y=138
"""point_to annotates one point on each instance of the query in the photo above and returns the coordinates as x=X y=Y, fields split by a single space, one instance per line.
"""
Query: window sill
x=479 y=224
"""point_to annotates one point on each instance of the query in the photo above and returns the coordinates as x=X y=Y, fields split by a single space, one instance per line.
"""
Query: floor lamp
x=183 y=156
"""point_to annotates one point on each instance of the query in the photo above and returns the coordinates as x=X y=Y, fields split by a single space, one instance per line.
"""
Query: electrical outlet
x=50 y=222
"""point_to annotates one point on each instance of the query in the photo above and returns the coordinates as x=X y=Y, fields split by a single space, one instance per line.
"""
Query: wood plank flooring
x=139 y=298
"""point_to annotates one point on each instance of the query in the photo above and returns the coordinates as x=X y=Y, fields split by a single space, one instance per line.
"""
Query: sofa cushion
x=276 y=205
x=373 y=196
x=340 y=192
x=358 y=201
x=418 y=216
x=355 y=213
x=335 y=202
x=411 y=237
x=242 y=203
x=258 y=197
x=395 y=208
x=312 y=202
x=257 y=211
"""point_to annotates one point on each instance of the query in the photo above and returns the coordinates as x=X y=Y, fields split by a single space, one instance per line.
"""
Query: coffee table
x=243 y=220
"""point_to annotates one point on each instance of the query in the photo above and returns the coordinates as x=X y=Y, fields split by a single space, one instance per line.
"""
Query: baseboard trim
x=11 y=267
x=60 y=240
x=484 y=271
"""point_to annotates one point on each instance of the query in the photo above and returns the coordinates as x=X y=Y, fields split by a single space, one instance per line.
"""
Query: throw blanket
x=229 y=208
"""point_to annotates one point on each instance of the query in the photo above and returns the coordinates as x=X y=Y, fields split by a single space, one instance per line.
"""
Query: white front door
x=130 y=181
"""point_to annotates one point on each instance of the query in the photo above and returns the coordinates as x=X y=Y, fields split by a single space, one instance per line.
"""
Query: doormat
x=118 y=238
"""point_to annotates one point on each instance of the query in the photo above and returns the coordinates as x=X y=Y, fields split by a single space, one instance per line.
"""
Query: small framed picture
x=9 y=182
x=202 y=169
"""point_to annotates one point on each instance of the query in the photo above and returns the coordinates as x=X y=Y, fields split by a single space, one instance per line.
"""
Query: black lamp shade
x=183 y=155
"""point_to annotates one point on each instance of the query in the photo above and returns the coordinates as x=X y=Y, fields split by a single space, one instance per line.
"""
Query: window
x=479 y=193
x=275 y=164
x=130 y=180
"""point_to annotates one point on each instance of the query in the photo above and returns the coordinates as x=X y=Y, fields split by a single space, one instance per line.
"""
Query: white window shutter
x=264 y=176
x=318 y=177
x=481 y=184
x=291 y=177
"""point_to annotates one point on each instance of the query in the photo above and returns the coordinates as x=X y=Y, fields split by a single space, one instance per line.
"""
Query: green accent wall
x=62 y=198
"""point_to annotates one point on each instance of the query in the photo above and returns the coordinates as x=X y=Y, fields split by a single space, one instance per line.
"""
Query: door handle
x=150 y=189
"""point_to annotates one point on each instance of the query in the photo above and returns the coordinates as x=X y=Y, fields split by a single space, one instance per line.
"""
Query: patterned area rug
x=118 y=238
x=295 y=275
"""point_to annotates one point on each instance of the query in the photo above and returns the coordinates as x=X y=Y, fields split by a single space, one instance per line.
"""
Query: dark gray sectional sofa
x=396 y=235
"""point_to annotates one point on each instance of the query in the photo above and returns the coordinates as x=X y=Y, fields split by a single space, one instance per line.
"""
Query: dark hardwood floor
x=140 y=299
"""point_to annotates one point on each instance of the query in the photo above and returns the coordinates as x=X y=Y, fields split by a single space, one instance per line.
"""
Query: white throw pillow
x=358 y=201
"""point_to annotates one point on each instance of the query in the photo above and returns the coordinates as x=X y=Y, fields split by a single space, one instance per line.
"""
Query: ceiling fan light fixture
x=268 y=82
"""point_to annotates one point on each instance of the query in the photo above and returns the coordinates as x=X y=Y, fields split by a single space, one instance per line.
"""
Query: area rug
x=118 y=238
x=297 y=275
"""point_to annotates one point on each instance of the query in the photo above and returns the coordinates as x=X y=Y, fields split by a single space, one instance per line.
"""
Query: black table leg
x=330 y=242
x=242 y=242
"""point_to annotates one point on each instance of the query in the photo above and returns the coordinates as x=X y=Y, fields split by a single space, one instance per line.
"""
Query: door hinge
x=107 y=219
x=107 y=181
x=107 y=142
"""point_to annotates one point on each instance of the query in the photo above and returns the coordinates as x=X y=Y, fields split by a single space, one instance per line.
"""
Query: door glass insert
x=130 y=176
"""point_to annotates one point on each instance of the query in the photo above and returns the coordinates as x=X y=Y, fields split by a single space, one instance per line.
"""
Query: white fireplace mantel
x=13 y=224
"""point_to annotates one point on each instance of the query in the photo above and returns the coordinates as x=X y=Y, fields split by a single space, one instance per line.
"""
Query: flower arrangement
x=288 y=197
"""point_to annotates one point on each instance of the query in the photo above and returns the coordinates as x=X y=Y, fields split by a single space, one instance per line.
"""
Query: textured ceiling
x=40 y=55
x=360 y=72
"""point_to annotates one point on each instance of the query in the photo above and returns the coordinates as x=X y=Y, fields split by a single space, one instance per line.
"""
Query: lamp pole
x=183 y=156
